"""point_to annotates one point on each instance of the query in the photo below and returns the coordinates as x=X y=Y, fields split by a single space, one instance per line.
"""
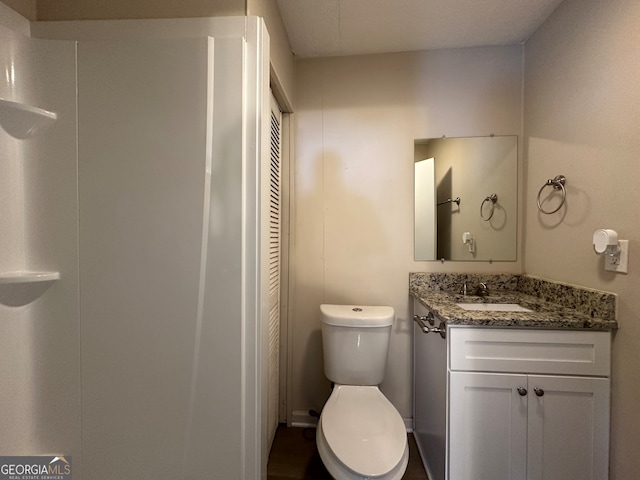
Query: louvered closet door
x=274 y=267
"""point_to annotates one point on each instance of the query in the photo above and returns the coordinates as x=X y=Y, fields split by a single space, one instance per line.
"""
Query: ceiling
x=319 y=28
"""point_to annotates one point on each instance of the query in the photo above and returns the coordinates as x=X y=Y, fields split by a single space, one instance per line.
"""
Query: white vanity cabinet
x=521 y=403
x=528 y=404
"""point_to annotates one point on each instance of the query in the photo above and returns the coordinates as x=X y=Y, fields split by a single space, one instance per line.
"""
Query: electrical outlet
x=618 y=263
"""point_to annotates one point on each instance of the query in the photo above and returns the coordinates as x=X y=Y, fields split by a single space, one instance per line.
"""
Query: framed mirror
x=466 y=198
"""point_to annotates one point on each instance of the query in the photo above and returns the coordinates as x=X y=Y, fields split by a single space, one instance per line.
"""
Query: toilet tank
x=355 y=342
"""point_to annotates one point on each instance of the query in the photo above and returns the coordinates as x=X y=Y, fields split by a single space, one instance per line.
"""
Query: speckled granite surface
x=553 y=304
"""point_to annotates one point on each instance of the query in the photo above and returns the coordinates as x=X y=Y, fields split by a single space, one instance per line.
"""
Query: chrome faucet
x=481 y=290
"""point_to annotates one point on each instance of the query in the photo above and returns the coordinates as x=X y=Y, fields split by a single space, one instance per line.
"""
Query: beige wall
x=120 y=9
x=356 y=122
x=582 y=112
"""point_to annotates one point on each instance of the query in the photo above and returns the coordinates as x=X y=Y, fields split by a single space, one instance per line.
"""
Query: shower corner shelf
x=27 y=277
x=24 y=121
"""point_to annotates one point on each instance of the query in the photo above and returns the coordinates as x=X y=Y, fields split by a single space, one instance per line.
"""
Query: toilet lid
x=363 y=429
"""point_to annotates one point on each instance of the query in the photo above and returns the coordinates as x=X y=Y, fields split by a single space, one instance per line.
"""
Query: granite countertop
x=569 y=308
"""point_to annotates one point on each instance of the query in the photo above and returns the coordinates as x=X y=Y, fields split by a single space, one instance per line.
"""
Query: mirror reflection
x=466 y=198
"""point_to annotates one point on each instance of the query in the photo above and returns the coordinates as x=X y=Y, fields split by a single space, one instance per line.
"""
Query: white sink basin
x=493 y=307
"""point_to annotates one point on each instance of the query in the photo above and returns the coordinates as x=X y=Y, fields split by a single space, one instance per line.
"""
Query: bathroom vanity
x=520 y=387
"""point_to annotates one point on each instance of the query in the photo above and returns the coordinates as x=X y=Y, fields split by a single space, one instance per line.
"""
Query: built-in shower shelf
x=24 y=121
x=28 y=277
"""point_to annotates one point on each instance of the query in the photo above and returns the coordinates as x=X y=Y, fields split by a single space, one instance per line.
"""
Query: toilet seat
x=363 y=430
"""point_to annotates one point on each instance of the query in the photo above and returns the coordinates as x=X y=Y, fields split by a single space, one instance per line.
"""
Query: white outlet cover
x=618 y=263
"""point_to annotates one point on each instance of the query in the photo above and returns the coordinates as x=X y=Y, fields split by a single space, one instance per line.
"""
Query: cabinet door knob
x=522 y=391
x=539 y=391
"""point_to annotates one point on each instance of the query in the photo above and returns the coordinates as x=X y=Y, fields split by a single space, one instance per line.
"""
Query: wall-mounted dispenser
x=469 y=239
x=616 y=252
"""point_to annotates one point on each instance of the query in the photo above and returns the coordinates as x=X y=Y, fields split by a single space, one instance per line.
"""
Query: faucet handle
x=482 y=290
x=463 y=289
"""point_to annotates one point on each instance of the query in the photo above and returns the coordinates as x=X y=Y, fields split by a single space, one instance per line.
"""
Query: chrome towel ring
x=493 y=198
x=558 y=184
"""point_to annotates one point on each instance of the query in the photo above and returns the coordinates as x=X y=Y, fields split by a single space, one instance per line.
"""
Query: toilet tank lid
x=356 y=315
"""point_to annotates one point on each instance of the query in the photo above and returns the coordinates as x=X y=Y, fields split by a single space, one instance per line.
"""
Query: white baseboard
x=408 y=423
x=300 y=418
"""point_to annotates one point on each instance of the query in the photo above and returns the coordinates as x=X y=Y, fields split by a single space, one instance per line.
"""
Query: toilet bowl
x=360 y=434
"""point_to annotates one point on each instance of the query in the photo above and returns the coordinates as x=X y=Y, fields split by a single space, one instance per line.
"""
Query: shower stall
x=142 y=354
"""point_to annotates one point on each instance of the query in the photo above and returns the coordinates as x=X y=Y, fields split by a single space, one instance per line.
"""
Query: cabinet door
x=487 y=427
x=430 y=399
x=568 y=428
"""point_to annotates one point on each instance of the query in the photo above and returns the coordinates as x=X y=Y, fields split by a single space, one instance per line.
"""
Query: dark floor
x=294 y=456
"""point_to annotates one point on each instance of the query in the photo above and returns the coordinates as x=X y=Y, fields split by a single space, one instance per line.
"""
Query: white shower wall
x=145 y=360
x=145 y=164
x=39 y=323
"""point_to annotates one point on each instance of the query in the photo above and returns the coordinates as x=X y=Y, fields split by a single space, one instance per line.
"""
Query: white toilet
x=360 y=434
